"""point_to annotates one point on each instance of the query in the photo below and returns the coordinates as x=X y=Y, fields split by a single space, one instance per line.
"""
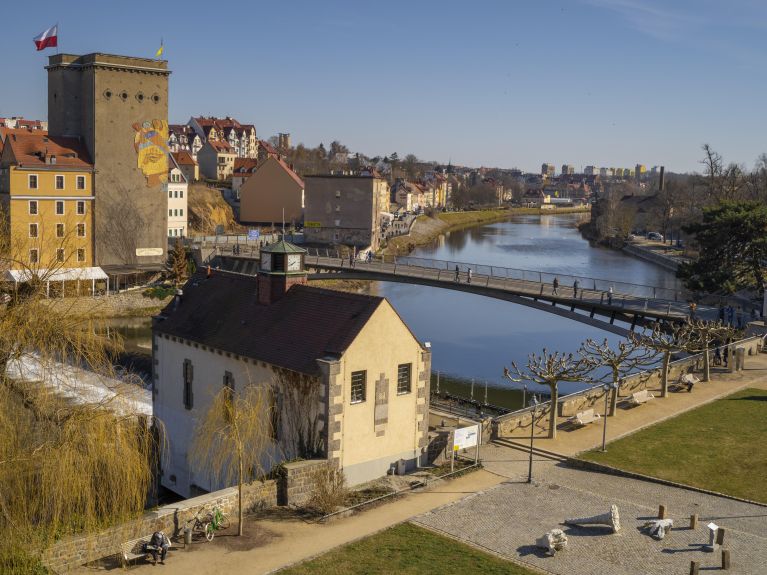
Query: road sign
x=253 y=234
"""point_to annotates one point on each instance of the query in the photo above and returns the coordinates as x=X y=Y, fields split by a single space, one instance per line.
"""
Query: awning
x=63 y=274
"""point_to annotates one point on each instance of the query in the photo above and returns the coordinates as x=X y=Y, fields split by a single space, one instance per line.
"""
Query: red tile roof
x=221 y=146
x=268 y=147
x=305 y=325
x=35 y=148
x=245 y=164
x=184 y=158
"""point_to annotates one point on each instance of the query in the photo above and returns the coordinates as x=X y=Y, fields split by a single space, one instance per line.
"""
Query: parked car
x=655 y=236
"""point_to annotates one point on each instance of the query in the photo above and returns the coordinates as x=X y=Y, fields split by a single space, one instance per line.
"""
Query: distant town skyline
x=608 y=83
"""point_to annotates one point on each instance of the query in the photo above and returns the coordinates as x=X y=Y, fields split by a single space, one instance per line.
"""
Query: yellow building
x=46 y=186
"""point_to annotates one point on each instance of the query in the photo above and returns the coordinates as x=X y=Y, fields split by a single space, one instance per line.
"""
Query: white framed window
x=60 y=255
x=34 y=256
x=80 y=230
x=359 y=386
x=181 y=193
x=80 y=182
x=59 y=207
x=170 y=194
x=59 y=230
x=32 y=207
x=32 y=181
x=404 y=371
x=80 y=255
x=32 y=230
x=59 y=182
x=80 y=208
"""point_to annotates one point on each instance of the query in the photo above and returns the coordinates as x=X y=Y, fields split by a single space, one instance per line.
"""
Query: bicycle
x=207 y=525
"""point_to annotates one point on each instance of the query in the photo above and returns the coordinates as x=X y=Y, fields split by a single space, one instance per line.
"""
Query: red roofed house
x=272 y=189
x=333 y=392
x=243 y=169
x=216 y=160
x=188 y=165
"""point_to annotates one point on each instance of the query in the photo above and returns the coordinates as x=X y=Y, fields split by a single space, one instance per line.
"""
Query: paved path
x=495 y=509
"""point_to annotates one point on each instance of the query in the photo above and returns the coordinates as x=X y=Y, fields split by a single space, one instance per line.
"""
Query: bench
x=136 y=549
x=133 y=549
x=640 y=397
x=584 y=417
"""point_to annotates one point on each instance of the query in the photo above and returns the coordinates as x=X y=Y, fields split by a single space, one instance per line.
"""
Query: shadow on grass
x=749 y=398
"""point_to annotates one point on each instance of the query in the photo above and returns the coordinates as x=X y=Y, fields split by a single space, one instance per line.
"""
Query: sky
x=506 y=83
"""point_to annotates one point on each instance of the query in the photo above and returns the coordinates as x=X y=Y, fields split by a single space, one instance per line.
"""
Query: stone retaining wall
x=124 y=304
x=666 y=262
x=297 y=485
x=517 y=423
x=72 y=552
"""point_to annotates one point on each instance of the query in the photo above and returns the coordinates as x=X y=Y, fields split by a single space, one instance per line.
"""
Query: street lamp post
x=534 y=402
x=607 y=387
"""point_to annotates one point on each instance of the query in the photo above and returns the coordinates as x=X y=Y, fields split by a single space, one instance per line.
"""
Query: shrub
x=330 y=491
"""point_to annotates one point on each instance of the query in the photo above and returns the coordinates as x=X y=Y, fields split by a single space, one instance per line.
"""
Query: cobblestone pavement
x=509 y=518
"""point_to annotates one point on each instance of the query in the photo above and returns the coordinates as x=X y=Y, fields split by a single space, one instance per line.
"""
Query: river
x=474 y=337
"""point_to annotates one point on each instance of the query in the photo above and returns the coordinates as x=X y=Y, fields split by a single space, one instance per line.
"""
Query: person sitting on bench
x=159 y=543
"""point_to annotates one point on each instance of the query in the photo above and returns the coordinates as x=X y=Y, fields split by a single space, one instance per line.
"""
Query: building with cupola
x=347 y=380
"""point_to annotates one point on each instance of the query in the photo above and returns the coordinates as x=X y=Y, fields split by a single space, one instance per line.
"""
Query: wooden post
x=694 y=521
x=726 y=559
x=694 y=568
x=661 y=512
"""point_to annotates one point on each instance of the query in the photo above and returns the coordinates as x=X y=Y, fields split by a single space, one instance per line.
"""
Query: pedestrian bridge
x=591 y=302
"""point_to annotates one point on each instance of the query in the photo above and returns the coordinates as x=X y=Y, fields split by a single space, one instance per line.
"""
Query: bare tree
x=665 y=340
x=621 y=360
x=703 y=334
x=177 y=263
x=550 y=369
x=232 y=438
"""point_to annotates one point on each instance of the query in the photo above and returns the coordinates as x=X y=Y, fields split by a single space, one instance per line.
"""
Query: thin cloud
x=650 y=19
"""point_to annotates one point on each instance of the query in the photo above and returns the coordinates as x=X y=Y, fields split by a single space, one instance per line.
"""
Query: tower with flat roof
x=118 y=107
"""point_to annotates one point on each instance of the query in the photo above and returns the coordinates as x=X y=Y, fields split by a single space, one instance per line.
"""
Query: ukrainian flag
x=160 y=50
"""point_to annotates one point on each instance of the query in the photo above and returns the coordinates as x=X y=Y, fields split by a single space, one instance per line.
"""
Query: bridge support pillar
x=612 y=318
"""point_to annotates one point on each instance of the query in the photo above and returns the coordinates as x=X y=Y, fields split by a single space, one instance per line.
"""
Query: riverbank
x=125 y=304
x=426 y=229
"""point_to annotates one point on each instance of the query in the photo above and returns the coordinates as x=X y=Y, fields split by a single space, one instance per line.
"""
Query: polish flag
x=48 y=39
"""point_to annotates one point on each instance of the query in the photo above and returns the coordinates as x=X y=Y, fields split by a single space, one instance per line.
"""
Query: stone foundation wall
x=297 y=485
x=72 y=552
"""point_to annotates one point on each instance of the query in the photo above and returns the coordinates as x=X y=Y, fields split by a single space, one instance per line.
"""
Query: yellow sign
x=151 y=144
x=312 y=224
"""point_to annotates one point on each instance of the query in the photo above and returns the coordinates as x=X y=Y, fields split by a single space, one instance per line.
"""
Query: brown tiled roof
x=221 y=146
x=33 y=148
x=268 y=147
x=307 y=324
x=184 y=158
x=245 y=164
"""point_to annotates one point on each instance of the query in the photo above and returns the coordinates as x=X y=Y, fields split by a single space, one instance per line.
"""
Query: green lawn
x=407 y=549
x=720 y=446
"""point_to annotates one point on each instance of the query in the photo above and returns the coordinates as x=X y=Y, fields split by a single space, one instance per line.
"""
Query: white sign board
x=465 y=437
x=149 y=251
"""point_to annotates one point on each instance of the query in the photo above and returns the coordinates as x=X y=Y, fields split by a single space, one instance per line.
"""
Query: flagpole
x=57 y=38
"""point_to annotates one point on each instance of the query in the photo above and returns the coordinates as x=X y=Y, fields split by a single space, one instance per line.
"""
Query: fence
x=242 y=239
x=507 y=426
x=539 y=277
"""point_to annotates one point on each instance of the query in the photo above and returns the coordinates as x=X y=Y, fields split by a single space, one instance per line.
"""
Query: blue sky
x=494 y=83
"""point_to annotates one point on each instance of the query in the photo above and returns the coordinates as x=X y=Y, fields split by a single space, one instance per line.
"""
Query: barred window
x=188 y=374
x=404 y=371
x=359 y=386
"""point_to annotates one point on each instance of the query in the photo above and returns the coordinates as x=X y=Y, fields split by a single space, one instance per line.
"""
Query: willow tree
x=232 y=438
x=75 y=454
x=550 y=369
x=703 y=334
x=620 y=360
x=666 y=341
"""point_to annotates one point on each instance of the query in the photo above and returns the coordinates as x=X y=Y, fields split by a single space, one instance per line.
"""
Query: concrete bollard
x=726 y=559
x=720 y=536
x=694 y=521
x=188 y=537
x=661 y=512
x=694 y=568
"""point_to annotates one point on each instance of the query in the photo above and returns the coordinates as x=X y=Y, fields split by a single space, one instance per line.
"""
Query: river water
x=474 y=337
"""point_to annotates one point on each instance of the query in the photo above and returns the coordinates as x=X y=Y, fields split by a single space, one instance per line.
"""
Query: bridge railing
x=566 y=281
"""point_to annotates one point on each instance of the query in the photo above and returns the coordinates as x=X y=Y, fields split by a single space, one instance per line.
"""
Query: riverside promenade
x=494 y=509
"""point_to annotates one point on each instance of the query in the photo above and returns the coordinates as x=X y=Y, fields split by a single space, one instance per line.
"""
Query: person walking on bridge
x=457 y=274
x=575 y=289
x=468 y=276
x=555 y=283
x=610 y=296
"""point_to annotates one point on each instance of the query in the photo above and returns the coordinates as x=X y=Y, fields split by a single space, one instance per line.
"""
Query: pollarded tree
x=732 y=239
x=665 y=340
x=624 y=358
x=550 y=369
x=232 y=438
x=703 y=334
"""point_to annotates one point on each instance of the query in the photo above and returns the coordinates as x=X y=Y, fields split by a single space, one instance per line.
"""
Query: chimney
x=662 y=179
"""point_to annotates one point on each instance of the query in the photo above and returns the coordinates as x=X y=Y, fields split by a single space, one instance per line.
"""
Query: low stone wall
x=517 y=423
x=75 y=551
x=297 y=484
x=666 y=262
x=124 y=304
